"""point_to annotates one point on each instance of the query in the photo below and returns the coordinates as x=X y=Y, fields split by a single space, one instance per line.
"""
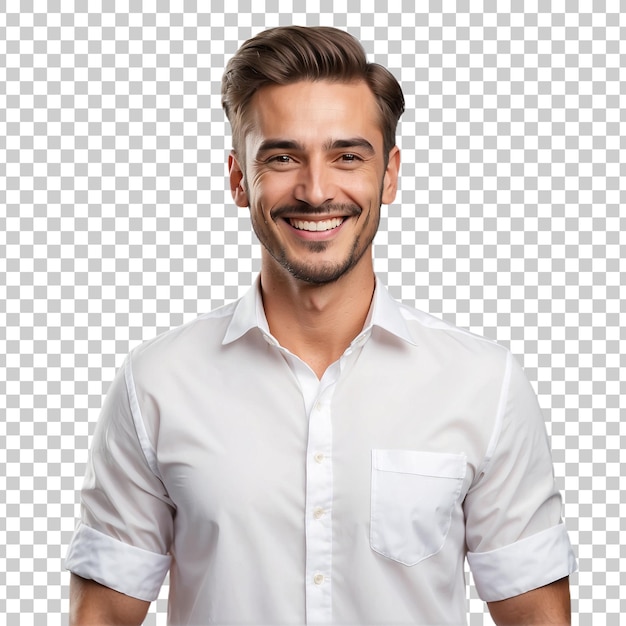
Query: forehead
x=314 y=110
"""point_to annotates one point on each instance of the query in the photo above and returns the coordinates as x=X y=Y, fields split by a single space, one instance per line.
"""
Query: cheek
x=270 y=190
x=366 y=193
x=366 y=183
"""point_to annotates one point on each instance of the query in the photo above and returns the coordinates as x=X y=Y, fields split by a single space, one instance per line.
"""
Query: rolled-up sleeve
x=515 y=537
x=126 y=527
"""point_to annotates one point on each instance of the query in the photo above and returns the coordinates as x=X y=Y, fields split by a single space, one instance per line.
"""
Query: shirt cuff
x=130 y=570
x=527 y=564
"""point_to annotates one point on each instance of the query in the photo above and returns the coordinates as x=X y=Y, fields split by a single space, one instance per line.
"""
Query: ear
x=390 y=180
x=235 y=174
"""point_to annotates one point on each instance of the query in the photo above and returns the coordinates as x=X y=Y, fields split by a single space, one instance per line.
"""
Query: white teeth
x=317 y=226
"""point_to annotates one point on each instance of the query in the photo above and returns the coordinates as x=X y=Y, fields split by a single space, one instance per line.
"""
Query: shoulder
x=437 y=336
x=181 y=347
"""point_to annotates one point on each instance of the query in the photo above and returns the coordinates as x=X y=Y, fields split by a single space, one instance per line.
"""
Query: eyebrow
x=279 y=144
x=333 y=144
x=353 y=142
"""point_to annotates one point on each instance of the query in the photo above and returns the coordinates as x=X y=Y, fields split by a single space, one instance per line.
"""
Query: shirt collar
x=248 y=314
x=384 y=313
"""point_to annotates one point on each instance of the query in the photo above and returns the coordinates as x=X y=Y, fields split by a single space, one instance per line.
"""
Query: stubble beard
x=316 y=273
x=328 y=273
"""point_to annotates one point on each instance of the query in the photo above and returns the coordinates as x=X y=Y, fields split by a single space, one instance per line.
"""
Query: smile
x=322 y=225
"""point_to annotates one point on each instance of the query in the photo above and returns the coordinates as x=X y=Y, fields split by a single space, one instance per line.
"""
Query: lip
x=316 y=235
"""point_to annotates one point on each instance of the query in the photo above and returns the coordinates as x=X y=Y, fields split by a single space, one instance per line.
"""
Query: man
x=316 y=452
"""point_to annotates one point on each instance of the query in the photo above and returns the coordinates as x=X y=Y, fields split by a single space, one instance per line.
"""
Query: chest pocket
x=413 y=495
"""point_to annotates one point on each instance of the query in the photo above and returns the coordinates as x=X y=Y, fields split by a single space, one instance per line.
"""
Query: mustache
x=330 y=208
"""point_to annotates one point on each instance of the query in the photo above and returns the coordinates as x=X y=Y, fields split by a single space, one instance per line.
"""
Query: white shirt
x=273 y=497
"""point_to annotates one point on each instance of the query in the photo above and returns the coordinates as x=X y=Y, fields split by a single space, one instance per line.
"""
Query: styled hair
x=288 y=54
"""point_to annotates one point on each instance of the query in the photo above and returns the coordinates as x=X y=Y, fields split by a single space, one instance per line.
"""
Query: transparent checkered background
x=115 y=226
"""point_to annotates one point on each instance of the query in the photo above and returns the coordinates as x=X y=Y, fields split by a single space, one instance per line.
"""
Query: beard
x=321 y=273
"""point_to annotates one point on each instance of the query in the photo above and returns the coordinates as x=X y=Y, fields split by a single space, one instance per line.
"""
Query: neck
x=317 y=322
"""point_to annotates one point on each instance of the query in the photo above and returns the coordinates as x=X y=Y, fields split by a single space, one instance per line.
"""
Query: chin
x=320 y=274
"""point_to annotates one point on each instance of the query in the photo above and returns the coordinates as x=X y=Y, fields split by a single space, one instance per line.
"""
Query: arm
x=517 y=545
x=126 y=526
x=93 y=604
x=546 y=605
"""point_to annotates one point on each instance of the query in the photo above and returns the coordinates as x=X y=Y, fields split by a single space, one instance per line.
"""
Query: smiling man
x=315 y=201
x=316 y=452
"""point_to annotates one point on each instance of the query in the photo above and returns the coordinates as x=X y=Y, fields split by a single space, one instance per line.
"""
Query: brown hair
x=287 y=54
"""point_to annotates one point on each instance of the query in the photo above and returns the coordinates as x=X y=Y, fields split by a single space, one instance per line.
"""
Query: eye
x=280 y=158
x=349 y=160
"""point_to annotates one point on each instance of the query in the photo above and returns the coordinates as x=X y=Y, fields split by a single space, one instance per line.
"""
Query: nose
x=315 y=184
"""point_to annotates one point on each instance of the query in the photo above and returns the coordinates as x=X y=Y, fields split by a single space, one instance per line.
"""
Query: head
x=289 y=54
x=314 y=152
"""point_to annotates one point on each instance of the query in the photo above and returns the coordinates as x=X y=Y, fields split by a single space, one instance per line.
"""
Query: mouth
x=317 y=226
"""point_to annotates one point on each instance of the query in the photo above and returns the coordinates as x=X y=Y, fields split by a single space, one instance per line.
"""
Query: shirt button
x=318 y=512
x=318 y=579
x=319 y=457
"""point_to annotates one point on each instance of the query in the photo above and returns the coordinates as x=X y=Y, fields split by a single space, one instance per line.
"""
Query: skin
x=545 y=605
x=315 y=153
x=92 y=604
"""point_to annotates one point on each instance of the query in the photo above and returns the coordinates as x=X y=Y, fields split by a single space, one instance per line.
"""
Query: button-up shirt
x=275 y=497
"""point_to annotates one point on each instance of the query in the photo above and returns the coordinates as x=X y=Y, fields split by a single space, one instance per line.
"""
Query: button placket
x=319 y=490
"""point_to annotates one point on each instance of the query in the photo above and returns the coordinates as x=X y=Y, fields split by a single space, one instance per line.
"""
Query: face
x=314 y=177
